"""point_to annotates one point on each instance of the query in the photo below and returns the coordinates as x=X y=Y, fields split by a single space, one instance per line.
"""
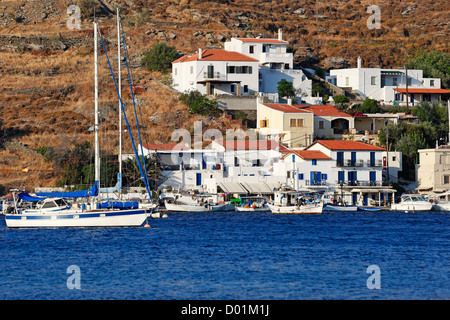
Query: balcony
x=275 y=58
x=376 y=163
x=214 y=76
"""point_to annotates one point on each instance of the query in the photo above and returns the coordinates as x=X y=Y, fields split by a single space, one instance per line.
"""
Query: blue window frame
x=314 y=162
x=300 y=176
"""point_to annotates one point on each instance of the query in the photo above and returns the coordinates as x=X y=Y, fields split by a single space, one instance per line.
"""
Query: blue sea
x=234 y=256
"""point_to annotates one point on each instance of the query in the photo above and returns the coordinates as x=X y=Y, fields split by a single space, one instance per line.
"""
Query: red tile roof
x=216 y=55
x=309 y=154
x=285 y=108
x=412 y=90
x=317 y=110
x=324 y=110
x=347 y=145
x=262 y=40
x=252 y=145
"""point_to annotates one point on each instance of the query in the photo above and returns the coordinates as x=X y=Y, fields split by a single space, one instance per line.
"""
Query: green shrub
x=159 y=57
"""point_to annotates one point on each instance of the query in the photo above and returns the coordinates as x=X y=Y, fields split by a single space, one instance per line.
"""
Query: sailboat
x=52 y=210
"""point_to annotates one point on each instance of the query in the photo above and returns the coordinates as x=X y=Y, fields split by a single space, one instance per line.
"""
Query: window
x=240 y=69
x=321 y=124
x=300 y=176
x=192 y=69
x=251 y=49
x=293 y=123
x=314 y=162
x=233 y=88
x=446 y=179
x=431 y=83
x=373 y=80
x=409 y=81
x=175 y=71
x=340 y=159
x=394 y=81
x=286 y=65
x=324 y=176
x=264 y=123
x=245 y=88
x=297 y=123
x=347 y=81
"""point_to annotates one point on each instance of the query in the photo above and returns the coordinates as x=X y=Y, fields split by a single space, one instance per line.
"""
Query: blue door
x=372 y=159
x=353 y=160
x=199 y=179
x=373 y=177
x=316 y=178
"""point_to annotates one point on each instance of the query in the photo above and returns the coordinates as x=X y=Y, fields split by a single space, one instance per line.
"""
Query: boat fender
x=222 y=202
x=297 y=208
x=193 y=197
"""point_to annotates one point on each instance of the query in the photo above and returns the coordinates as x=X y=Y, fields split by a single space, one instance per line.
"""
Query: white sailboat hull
x=98 y=218
x=305 y=209
x=194 y=208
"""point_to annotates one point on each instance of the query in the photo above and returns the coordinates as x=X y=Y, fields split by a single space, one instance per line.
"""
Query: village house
x=216 y=71
x=433 y=170
x=275 y=63
x=355 y=170
x=245 y=66
x=389 y=86
x=298 y=125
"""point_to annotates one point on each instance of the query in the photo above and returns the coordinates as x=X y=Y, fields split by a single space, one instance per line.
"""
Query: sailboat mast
x=97 y=148
x=120 y=92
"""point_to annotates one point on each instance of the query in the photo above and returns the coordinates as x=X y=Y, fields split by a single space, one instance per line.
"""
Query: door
x=210 y=72
x=372 y=159
x=373 y=177
x=353 y=160
x=199 y=179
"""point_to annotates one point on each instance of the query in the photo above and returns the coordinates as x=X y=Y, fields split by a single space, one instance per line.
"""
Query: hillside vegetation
x=47 y=73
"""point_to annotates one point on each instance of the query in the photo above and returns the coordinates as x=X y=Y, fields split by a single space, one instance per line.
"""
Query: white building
x=216 y=71
x=388 y=85
x=351 y=169
x=245 y=66
x=275 y=63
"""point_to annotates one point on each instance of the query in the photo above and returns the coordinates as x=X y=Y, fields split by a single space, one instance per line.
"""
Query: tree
x=434 y=65
x=199 y=104
x=341 y=99
x=368 y=106
x=159 y=57
x=285 y=88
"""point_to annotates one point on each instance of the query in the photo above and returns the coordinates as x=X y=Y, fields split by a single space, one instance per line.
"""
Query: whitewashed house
x=352 y=170
x=389 y=86
x=216 y=71
x=245 y=66
x=275 y=63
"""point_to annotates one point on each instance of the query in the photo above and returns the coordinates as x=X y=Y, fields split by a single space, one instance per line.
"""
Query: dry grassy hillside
x=46 y=69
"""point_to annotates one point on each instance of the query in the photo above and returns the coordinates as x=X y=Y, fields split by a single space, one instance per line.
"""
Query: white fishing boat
x=296 y=202
x=340 y=207
x=194 y=203
x=441 y=205
x=52 y=210
x=253 y=204
x=412 y=202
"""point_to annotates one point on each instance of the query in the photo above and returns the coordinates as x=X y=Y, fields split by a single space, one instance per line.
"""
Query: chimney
x=289 y=101
x=280 y=34
x=359 y=62
x=199 y=53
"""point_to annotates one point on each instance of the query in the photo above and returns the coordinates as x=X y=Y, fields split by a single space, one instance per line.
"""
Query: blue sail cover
x=26 y=197
x=92 y=192
x=120 y=205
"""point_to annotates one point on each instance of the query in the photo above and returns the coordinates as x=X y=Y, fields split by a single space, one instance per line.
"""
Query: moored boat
x=412 y=202
x=296 y=202
x=253 y=204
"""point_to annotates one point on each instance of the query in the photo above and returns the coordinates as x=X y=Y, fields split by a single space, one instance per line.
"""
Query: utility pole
x=407 y=104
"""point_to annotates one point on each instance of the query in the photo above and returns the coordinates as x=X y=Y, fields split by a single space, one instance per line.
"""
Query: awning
x=260 y=187
x=363 y=190
x=232 y=187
